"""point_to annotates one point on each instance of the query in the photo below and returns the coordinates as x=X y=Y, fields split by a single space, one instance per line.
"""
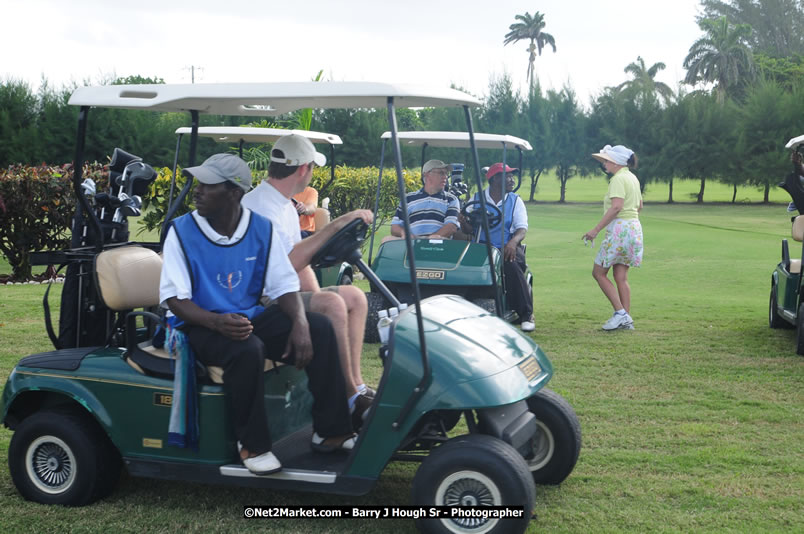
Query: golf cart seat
x=127 y=278
x=797 y=233
x=322 y=215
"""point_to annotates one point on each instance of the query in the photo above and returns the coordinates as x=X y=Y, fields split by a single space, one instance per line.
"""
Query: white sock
x=352 y=400
x=621 y=311
x=361 y=388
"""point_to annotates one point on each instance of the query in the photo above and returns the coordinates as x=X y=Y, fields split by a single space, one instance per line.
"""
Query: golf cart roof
x=266 y=99
x=795 y=142
x=458 y=140
x=235 y=134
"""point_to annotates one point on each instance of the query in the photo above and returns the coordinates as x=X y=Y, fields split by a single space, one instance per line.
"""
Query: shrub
x=38 y=208
x=155 y=202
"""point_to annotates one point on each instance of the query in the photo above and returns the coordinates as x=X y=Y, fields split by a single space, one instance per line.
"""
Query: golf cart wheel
x=486 y=304
x=376 y=302
x=62 y=458
x=774 y=319
x=555 y=449
x=346 y=280
x=800 y=330
x=473 y=470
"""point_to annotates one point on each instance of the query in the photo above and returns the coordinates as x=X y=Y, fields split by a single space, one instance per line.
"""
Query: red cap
x=498 y=168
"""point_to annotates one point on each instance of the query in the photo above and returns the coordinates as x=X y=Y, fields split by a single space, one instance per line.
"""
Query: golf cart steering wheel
x=341 y=246
x=475 y=216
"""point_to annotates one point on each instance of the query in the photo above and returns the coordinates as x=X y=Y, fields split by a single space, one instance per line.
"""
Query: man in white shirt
x=218 y=262
x=293 y=159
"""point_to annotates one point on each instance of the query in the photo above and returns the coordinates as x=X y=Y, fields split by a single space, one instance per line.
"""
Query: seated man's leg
x=329 y=303
x=243 y=365
x=356 y=312
x=517 y=291
x=330 y=410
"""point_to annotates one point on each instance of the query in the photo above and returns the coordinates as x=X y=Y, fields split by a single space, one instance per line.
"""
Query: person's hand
x=509 y=251
x=301 y=209
x=466 y=226
x=299 y=341
x=590 y=235
x=233 y=325
x=366 y=215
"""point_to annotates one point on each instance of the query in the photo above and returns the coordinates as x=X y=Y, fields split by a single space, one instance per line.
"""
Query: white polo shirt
x=280 y=277
x=266 y=200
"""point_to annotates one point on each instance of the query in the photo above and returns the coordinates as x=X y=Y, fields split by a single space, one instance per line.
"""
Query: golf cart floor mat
x=62 y=360
x=294 y=451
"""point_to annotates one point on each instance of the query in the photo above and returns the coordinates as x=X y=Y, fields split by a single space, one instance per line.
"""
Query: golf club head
x=137 y=177
x=88 y=187
x=120 y=159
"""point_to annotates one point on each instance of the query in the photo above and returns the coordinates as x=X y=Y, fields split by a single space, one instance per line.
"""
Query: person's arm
x=397 y=230
x=303 y=251
x=445 y=231
x=308 y=281
x=299 y=340
x=610 y=215
x=509 y=252
x=231 y=325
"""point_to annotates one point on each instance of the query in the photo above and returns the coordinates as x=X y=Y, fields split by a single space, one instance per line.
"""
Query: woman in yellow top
x=622 y=246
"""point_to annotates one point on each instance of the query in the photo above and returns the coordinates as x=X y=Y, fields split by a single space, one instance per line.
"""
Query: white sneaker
x=618 y=321
x=264 y=464
x=528 y=326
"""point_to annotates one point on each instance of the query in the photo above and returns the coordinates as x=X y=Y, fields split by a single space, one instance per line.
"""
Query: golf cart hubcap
x=544 y=446
x=468 y=488
x=50 y=465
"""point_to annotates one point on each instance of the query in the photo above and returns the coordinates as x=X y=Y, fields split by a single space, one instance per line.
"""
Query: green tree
x=536 y=129
x=778 y=25
x=643 y=85
x=721 y=57
x=567 y=124
x=18 y=131
x=530 y=28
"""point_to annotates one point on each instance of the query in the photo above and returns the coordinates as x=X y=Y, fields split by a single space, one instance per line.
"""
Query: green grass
x=692 y=422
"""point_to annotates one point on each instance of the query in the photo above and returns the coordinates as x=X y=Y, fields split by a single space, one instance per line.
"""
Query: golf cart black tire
x=376 y=302
x=483 y=459
x=486 y=304
x=95 y=465
x=800 y=330
x=346 y=280
x=562 y=430
x=774 y=319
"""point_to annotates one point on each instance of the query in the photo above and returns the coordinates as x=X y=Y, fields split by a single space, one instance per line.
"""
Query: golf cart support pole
x=420 y=388
x=175 y=166
x=483 y=213
x=180 y=199
x=377 y=201
x=78 y=173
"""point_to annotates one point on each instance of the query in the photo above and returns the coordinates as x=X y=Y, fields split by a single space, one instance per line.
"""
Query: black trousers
x=243 y=369
x=517 y=292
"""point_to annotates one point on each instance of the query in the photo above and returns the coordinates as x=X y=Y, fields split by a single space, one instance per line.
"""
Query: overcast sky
x=413 y=41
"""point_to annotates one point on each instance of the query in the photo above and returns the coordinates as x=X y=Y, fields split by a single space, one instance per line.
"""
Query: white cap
x=294 y=150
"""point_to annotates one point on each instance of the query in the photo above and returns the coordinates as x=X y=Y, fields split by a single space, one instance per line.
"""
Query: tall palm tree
x=643 y=84
x=721 y=56
x=530 y=27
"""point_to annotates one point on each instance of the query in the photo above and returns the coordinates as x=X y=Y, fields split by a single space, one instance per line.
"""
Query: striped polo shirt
x=428 y=213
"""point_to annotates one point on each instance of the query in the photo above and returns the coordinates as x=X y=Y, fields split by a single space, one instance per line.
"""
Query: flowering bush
x=37 y=209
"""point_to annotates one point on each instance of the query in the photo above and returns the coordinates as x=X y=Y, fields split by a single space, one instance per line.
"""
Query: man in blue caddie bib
x=219 y=261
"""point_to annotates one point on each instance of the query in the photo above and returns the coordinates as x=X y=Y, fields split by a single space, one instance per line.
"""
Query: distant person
x=795 y=157
x=219 y=261
x=305 y=204
x=515 y=227
x=622 y=244
x=432 y=211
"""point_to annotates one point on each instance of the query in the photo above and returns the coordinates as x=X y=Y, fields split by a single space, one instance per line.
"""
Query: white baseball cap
x=294 y=150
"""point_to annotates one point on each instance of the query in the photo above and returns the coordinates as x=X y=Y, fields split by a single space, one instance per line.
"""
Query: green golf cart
x=462 y=392
x=786 y=308
x=449 y=266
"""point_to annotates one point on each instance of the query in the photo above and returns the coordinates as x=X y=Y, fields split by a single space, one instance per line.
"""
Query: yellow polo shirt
x=624 y=185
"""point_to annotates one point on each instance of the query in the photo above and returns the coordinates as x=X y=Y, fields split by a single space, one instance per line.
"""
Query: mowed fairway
x=692 y=422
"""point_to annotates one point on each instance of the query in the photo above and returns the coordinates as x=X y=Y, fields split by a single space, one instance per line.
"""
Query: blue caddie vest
x=226 y=278
x=510 y=203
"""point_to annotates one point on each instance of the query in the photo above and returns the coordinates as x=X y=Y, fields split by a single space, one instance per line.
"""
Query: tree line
x=741 y=101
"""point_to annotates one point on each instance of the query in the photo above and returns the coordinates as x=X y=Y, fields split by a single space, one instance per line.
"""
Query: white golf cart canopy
x=235 y=134
x=266 y=99
x=795 y=142
x=458 y=140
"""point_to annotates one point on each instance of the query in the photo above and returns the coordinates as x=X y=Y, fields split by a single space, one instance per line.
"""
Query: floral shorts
x=622 y=244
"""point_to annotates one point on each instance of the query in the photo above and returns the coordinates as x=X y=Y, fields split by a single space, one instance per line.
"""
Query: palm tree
x=721 y=56
x=530 y=28
x=643 y=84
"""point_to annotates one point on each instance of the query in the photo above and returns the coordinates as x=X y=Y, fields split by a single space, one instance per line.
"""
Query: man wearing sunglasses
x=432 y=211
